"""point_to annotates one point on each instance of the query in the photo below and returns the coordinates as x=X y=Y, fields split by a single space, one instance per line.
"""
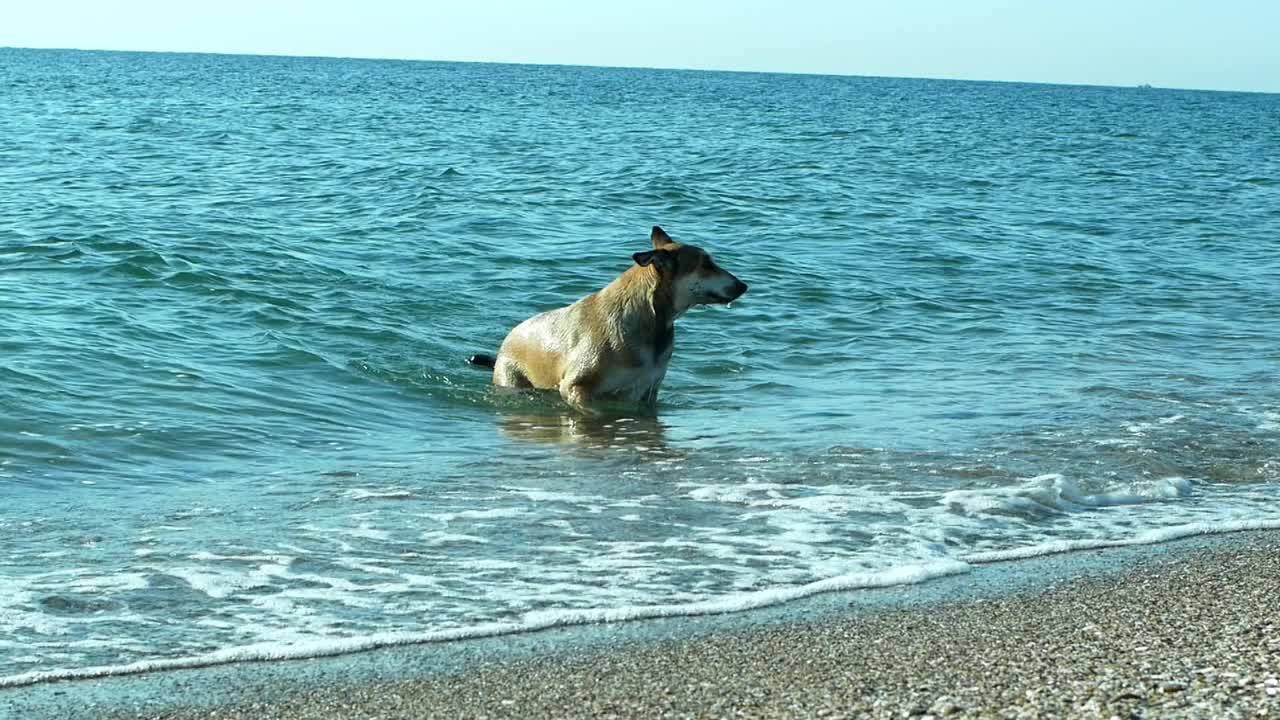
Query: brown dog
x=615 y=343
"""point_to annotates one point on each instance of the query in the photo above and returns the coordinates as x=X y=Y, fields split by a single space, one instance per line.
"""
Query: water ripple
x=236 y=295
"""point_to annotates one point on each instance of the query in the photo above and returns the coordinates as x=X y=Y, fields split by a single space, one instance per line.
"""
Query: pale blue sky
x=1219 y=44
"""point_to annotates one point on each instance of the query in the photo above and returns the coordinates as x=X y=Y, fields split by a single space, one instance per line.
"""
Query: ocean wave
x=531 y=622
x=1055 y=493
x=538 y=620
x=1148 y=537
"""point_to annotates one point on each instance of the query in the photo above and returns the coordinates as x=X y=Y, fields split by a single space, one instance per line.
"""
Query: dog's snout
x=739 y=288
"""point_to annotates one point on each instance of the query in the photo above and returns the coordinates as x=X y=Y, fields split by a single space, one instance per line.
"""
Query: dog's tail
x=484 y=361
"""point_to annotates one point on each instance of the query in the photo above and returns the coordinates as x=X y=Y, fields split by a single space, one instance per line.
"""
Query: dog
x=614 y=345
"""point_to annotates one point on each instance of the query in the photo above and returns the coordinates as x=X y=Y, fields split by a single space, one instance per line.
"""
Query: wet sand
x=1193 y=635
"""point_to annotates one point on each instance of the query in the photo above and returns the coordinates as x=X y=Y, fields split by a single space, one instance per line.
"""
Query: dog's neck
x=639 y=302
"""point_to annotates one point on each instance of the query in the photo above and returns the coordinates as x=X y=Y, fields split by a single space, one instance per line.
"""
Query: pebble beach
x=1173 y=635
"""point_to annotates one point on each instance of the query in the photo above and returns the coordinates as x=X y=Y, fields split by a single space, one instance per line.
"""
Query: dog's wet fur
x=614 y=345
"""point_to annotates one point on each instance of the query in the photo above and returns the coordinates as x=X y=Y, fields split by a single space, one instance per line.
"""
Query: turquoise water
x=985 y=320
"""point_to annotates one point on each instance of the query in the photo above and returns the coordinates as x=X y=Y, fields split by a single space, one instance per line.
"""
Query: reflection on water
x=641 y=430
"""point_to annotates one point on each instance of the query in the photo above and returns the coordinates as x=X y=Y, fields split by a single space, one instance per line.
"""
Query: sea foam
x=530 y=622
x=300 y=649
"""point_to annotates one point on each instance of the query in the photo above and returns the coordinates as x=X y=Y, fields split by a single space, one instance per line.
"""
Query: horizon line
x=809 y=73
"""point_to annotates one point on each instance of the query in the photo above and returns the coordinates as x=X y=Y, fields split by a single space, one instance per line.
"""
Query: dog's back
x=534 y=353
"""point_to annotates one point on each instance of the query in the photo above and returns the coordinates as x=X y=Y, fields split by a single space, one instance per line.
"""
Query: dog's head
x=690 y=273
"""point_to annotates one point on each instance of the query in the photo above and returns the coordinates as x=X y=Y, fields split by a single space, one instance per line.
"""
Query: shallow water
x=985 y=320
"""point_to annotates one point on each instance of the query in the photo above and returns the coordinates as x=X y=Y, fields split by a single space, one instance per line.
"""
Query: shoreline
x=1183 y=629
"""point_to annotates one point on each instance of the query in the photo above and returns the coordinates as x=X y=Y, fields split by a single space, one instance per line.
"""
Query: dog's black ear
x=662 y=259
x=659 y=237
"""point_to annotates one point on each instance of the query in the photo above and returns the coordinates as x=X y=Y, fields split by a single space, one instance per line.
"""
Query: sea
x=987 y=321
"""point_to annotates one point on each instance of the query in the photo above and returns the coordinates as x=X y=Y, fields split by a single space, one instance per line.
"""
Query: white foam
x=538 y=495
x=14 y=617
x=366 y=531
x=1148 y=537
x=835 y=500
x=384 y=494
x=469 y=562
x=116 y=582
x=437 y=539
x=291 y=642
x=218 y=581
x=488 y=514
x=1057 y=494
x=530 y=622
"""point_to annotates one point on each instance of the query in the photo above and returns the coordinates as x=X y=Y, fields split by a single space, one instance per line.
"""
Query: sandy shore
x=1175 y=635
